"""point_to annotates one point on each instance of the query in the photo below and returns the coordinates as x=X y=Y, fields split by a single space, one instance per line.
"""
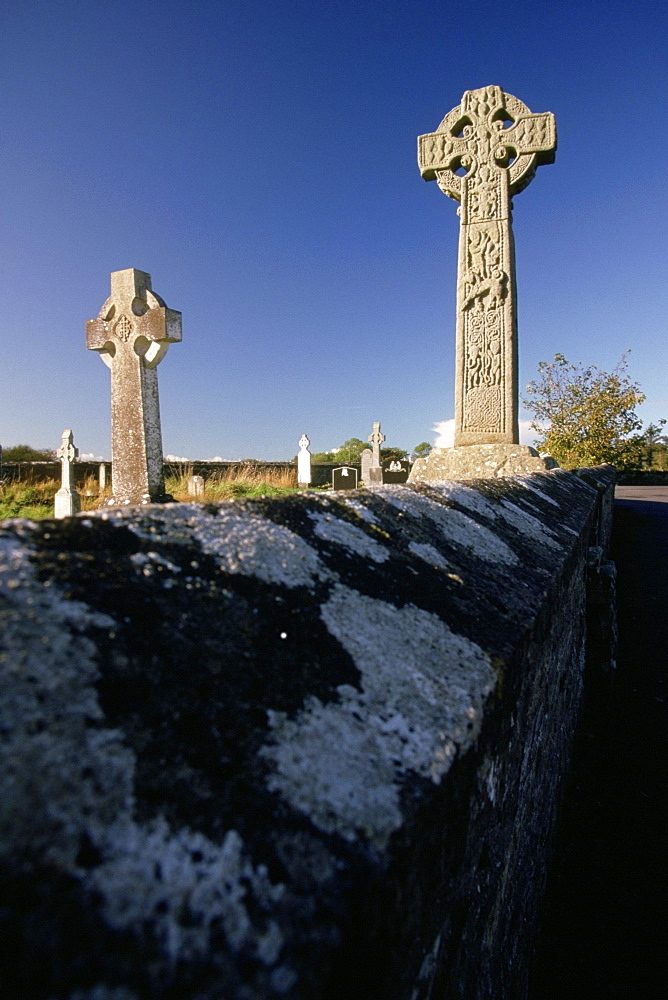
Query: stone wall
x=307 y=747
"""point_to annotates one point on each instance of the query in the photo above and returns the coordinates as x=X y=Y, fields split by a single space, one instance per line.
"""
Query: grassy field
x=35 y=500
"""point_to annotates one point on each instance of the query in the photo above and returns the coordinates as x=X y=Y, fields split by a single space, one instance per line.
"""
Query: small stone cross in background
x=132 y=334
x=375 y=471
x=67 y=500
x=304 y=462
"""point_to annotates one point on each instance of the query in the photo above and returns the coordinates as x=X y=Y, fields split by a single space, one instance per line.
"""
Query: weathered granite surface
x=479 y=461
x=305 y=747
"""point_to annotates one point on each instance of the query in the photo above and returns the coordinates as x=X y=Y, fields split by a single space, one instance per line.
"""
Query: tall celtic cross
x=482 y=153
x=132 y=334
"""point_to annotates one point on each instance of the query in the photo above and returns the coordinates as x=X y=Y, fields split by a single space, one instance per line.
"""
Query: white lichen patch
x=333 y=529
x=151 y=562
x=183 y=886
x=465 y=497
x=241 y=542
x=528 y=483
x=454 y=525
x=527 y=524
x=65 y=777
x=422 y=697
x=361 y=509
x=429 y=554
x=47 y=700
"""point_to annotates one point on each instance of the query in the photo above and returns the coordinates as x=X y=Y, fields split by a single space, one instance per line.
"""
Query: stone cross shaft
x=376 y=439
x=482 y=153
x=132 y=334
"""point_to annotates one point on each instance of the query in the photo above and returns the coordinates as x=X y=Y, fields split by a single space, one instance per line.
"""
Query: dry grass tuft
x=236 y=482
x=35 y=499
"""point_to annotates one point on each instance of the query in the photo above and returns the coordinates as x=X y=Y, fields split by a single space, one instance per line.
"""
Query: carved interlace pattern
x=123 y=329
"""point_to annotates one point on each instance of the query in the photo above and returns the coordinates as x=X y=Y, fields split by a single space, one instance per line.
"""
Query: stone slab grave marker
x=484 y=151
x=132 y=334
x=375 y=470
x=366 y=461
x=396 y=470
x=344 y=478
x=304 y=462
x=67 y=500
x=196 y=486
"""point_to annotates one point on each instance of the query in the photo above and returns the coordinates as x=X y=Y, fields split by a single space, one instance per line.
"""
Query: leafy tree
x=393 y=454
x=586 y=416
x=422 y=449
x=349 y=451
x=26 y=453
x=655 y=446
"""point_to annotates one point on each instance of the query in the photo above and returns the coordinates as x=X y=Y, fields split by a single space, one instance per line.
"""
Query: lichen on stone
x=423 y=690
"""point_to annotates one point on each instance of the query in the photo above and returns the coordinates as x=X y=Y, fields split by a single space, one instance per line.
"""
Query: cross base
x=136 y=500
x=479 y=461
x=67 y=502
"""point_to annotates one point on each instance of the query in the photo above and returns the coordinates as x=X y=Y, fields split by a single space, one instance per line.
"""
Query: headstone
x=132 y=334
x=196 y=486
x=102 y=477
x=366 y=459
x=67 y=500
x=375 y=470
x=396 y=470
x=484 y=151
x=304 y=462
x=344 y=478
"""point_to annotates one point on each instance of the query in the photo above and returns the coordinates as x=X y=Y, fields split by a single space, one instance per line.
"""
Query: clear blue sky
x=258 y=159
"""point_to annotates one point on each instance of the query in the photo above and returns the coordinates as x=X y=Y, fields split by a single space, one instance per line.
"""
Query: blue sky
x=258 y=159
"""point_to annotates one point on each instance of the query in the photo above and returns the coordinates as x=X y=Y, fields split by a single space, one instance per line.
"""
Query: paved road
x=605 y=920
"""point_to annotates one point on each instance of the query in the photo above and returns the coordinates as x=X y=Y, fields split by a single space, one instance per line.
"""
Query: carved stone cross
x=304 y=461
x=132 y=334
x=482 y=153
x=375 y=471
x=67 y=500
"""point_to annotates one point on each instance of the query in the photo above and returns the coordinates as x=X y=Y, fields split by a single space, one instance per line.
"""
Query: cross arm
x=534 y=134
x=438 y=151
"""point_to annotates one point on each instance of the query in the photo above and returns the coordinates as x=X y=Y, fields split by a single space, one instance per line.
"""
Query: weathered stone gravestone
x=366 y=460
x=132 y=334
x=304 y=462
x=102 y=477
x=67 y=500
x=196 y=486
x=344 y=478
x=375 y=469
x=483 y=152
x=396 y=470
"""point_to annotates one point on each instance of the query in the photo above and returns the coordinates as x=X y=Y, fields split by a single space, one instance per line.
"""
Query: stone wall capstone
x=303 y=747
